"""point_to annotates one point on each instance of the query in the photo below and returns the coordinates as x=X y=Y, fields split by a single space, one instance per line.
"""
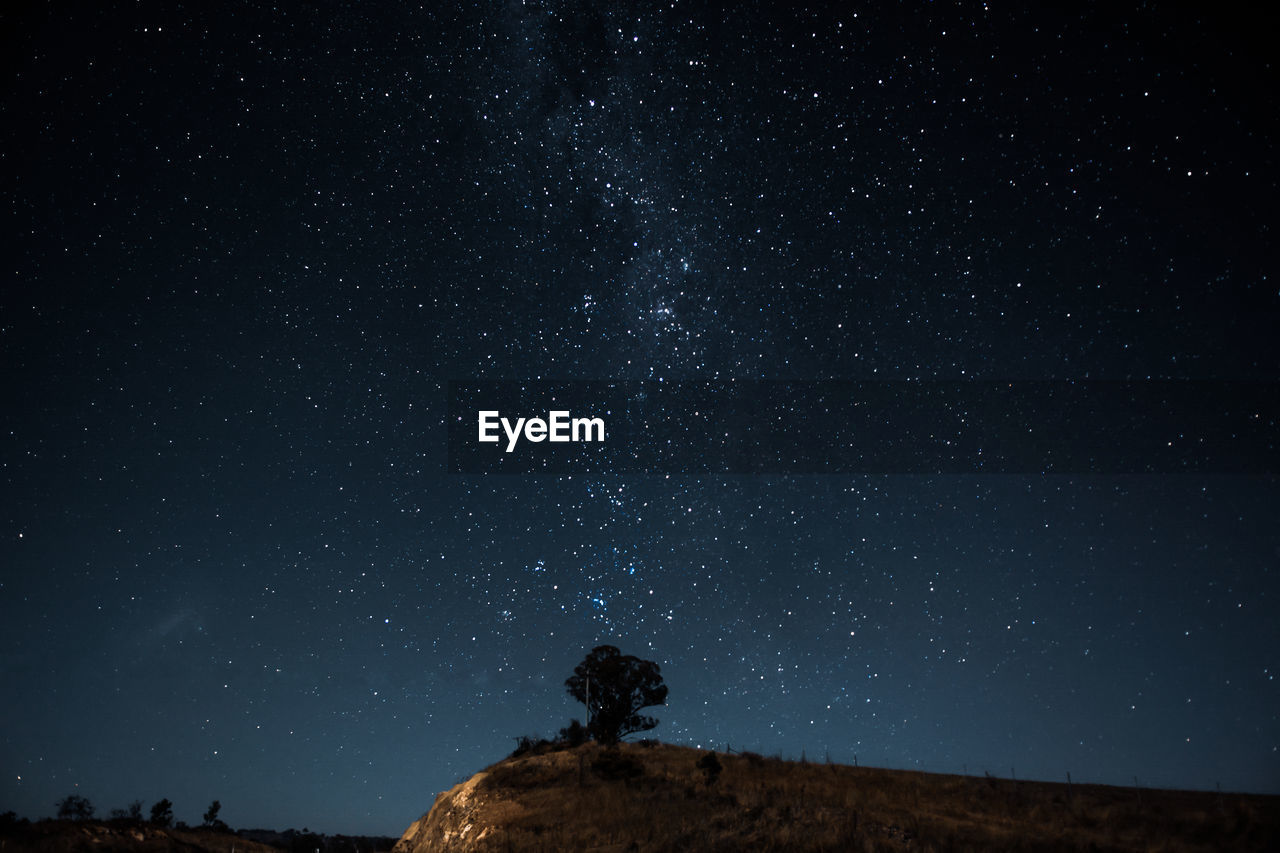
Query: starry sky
x=247 y=248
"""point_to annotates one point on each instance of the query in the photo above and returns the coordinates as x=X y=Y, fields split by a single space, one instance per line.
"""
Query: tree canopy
x=211 y=818
x=162 y=813
x=615 y=687
x=75 y=807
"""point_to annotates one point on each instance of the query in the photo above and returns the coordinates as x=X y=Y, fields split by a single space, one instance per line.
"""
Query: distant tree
x=615 y=687
x=306 y=842
x=131 y=812
x=75 y=807
x=162 y=813
x=211 y=818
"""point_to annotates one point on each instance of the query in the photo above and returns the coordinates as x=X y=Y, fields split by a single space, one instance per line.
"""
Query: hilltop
x=659 y=797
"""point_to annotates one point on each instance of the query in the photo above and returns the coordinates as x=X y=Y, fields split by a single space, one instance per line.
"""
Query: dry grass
x=62 y=836
x=583 y=799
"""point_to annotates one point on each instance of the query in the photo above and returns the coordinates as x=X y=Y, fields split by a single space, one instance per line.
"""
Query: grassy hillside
x=65 y=836
x=657 y=798
x=126 y=836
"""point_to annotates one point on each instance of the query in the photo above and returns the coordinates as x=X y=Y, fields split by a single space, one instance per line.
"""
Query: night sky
x=246 y=248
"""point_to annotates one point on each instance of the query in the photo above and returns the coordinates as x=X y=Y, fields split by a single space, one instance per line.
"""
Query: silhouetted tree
x=162 y=813
x=211 y=818
x=615 y=687
x=131 y=812
x=306 y=842
x=75 y=807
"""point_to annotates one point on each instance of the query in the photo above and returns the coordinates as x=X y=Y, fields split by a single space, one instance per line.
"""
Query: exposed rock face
x=465 y=818
x=503 y=806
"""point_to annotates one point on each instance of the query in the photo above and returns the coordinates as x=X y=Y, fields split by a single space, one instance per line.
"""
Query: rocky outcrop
x=464 y=819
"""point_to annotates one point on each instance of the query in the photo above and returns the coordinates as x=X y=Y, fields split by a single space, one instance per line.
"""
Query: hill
x=657 y=797
x=73 y=836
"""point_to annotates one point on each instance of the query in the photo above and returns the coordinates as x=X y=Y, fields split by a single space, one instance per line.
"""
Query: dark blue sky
x=247 y=248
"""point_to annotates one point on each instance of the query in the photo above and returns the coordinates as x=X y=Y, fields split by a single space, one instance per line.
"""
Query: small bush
x=710 y=767
x=129 y=815
x=575 y=734
x=532 y=745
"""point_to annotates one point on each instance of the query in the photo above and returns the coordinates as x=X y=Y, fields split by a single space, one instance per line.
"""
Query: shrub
x=131 y=813
x=532 y=744
x=710 y=767
x=574 y=734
